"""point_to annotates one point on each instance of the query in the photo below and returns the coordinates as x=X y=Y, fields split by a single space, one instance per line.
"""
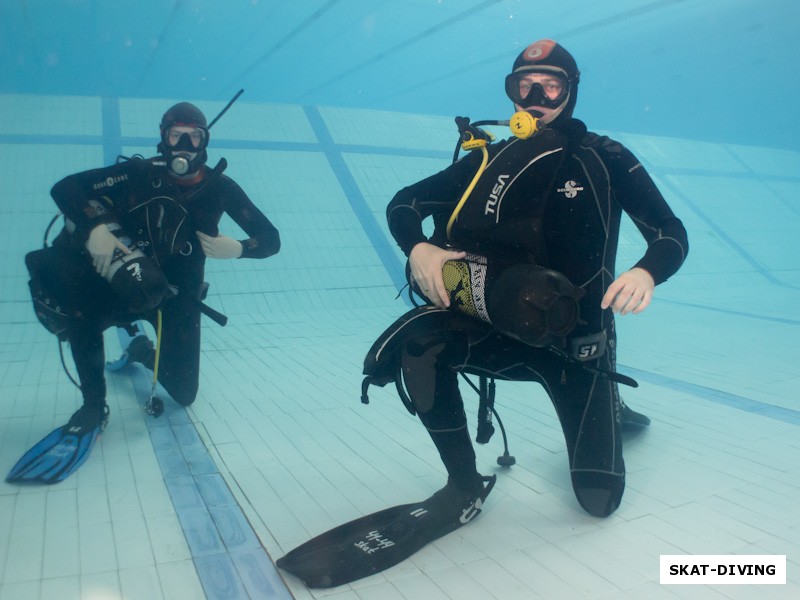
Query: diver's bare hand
x=426 y=262
x=219 y=246
x=630 y=293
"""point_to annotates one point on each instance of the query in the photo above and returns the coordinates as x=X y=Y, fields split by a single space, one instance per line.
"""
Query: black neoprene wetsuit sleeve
x=82 y=199
x=264 y=238
x=437 y=194
x=637 y=194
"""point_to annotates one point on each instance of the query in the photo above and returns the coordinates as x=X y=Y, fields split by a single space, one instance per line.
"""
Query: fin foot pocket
x=59 y=454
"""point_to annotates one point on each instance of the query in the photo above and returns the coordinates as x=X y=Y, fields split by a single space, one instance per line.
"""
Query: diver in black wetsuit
x=136 y=238
x=532 y=252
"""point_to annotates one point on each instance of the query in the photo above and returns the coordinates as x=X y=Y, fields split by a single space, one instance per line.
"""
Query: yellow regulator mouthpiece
x=523 y=124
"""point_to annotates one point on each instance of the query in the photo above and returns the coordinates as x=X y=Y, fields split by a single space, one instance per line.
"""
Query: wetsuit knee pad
x=599 y=494
x=184 y=398
x=535 y=305
x=141 y=284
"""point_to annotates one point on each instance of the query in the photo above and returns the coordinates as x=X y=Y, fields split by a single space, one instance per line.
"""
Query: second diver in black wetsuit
x=530 y=257
x=137 y=236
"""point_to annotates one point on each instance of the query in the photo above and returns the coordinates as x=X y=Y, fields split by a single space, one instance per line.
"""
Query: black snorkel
x=224 y=110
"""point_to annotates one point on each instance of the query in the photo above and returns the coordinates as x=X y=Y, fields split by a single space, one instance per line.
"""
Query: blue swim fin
x=136 y=347
x=62 y=451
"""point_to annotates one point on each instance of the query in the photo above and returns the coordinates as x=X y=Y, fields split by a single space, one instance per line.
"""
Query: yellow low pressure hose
x=158 y=349
x=523 y=125
x=475 y=143
x=155 y=405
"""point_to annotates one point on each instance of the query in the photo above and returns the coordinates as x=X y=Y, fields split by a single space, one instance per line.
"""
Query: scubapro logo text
x=570 y=189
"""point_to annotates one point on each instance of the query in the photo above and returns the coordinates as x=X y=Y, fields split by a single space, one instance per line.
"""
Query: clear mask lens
x=527 y=89
x=187 y=139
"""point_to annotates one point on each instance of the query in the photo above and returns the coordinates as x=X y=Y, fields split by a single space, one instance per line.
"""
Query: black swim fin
x=61 y=452
x=632 y=420
x=378 y=541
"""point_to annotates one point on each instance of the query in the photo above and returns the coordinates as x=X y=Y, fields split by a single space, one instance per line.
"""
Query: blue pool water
x=716 y=70
x=347 y=101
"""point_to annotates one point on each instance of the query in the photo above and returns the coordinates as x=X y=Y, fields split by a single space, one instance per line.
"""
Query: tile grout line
x=209 y=527
x=229 y=558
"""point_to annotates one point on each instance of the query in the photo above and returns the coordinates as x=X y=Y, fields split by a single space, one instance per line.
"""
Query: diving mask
x=537 y=88
x=186 y=138
x=184 y=147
